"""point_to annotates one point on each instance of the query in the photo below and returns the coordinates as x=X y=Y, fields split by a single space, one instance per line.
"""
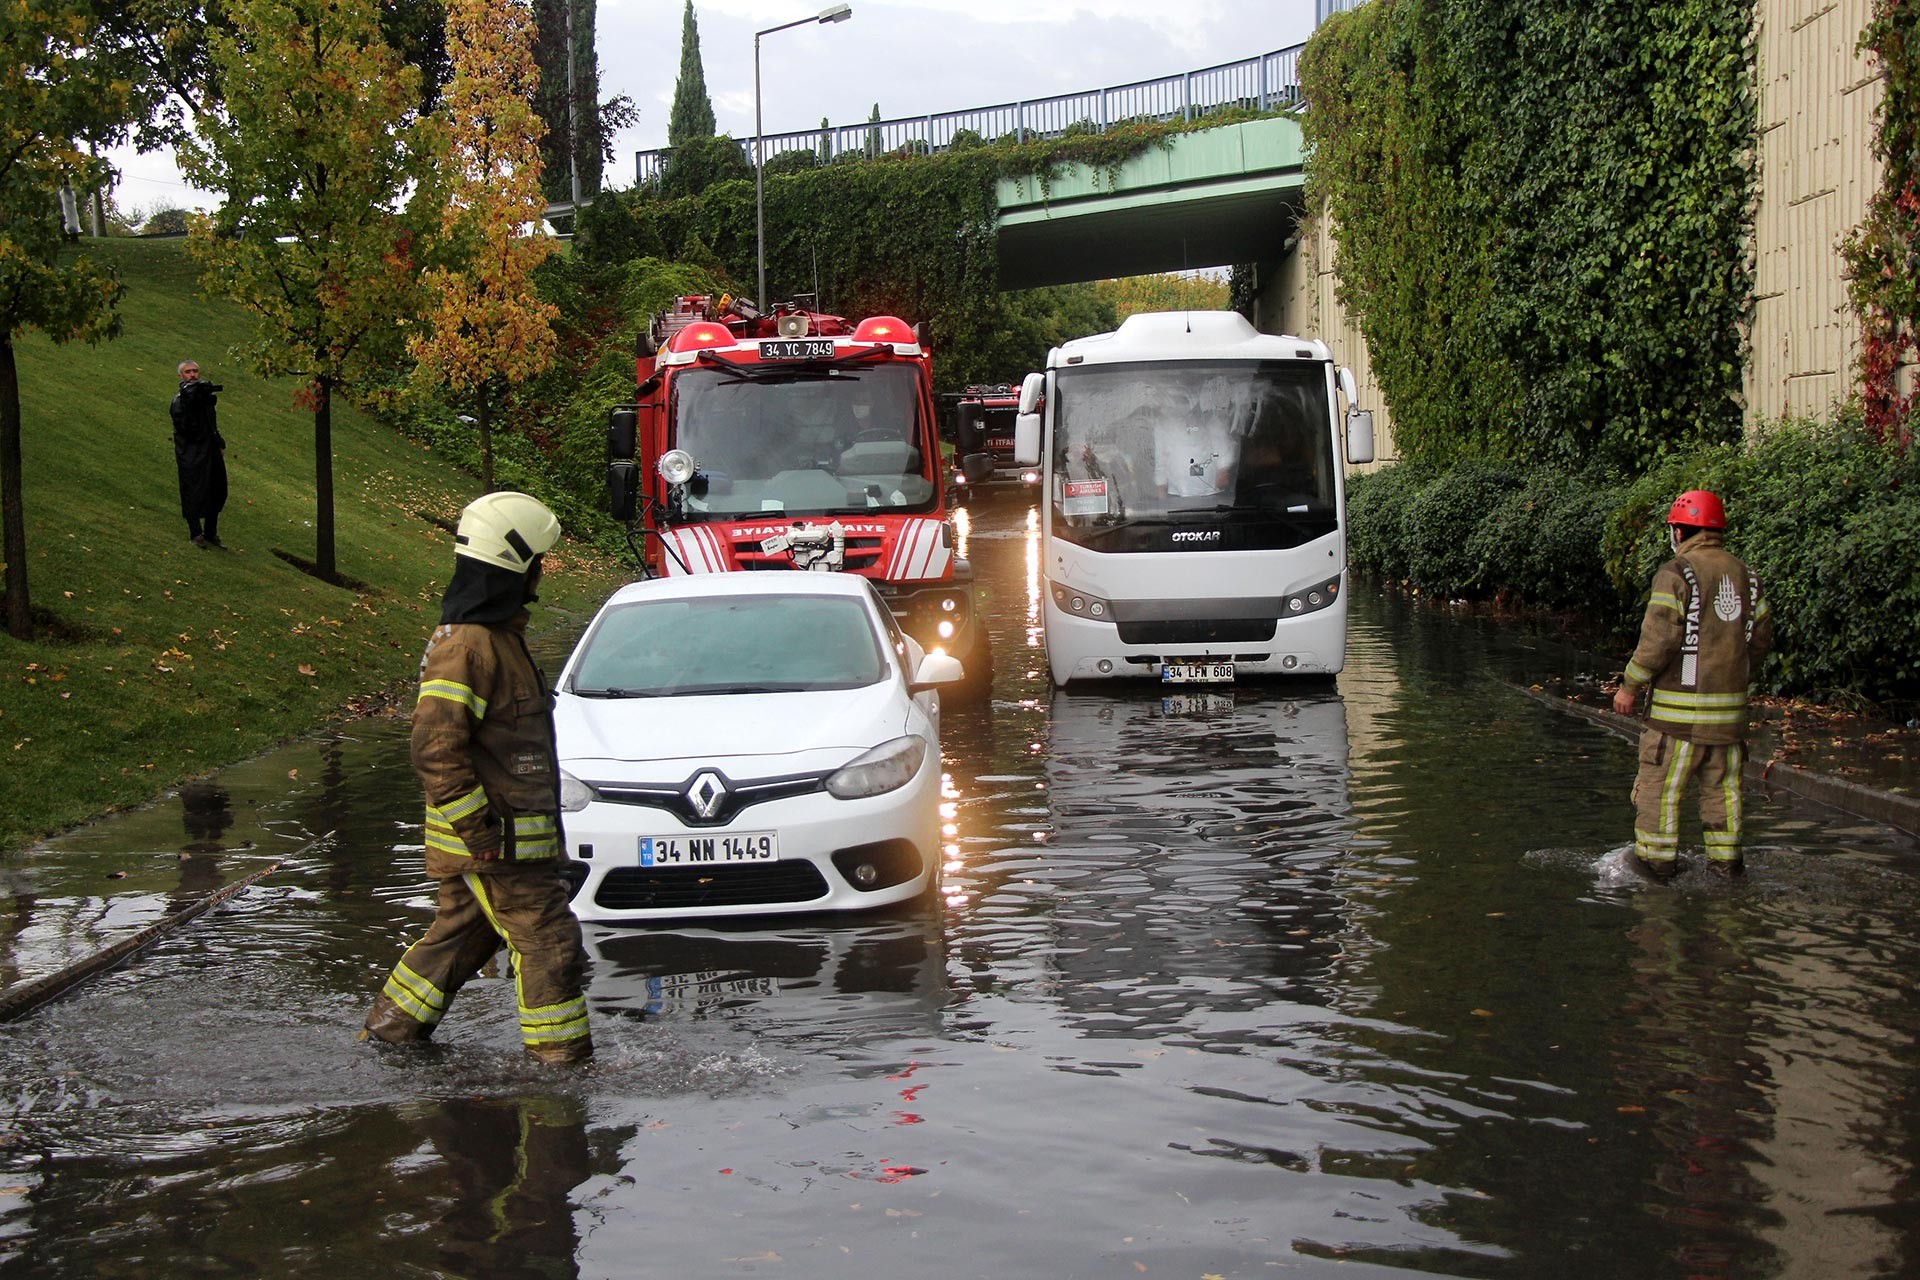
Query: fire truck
x=983 y=417
x=791 y=439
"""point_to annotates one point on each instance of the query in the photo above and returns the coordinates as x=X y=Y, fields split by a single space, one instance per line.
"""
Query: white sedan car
x=749 y=744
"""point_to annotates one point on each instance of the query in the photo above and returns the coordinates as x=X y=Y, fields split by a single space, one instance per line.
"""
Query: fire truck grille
x=861 y=553
x=659 y=888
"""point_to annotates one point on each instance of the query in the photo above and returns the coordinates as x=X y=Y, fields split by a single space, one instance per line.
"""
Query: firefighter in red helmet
x=1706 y=628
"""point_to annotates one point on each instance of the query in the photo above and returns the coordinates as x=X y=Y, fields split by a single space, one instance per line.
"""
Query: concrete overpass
x=1209 y=198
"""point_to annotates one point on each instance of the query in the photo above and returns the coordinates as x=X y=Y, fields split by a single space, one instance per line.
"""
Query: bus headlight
x=1079 y=603
x=1313 y=598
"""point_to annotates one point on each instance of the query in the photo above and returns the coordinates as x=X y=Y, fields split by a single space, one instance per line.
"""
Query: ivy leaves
x=1542 y=211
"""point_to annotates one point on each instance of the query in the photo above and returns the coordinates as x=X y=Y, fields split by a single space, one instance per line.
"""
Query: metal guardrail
x=1262 y=83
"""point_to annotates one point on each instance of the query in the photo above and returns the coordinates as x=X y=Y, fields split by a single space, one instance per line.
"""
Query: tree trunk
x=14 y=547
x=485 y=407
x=323 y=564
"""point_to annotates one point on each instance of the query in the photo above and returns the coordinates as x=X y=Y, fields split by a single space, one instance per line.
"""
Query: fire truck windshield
x=809 y=440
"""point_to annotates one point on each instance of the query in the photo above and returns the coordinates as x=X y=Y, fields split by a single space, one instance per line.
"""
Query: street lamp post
x=833 y=13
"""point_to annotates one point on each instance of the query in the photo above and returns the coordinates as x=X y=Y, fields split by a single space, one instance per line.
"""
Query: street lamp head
x=836 y=13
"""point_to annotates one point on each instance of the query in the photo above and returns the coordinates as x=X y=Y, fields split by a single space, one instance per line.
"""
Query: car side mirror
x=935 y=670
x=976 y=467
x=1359 y=435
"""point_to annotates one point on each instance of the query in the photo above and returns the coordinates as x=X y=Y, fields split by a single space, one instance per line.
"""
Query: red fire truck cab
x=983 y=437
x=788 y=440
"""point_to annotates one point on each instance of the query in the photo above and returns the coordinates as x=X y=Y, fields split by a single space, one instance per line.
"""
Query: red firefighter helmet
x=1698 y=509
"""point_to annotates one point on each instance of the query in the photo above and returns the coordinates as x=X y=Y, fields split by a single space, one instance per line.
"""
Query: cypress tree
x=692 y=115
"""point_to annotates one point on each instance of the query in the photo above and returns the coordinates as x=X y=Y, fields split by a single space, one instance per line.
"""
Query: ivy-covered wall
x=1543 y=210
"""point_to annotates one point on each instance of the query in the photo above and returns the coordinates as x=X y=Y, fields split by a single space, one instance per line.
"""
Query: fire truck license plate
x=707 y=851
x=797 y=349
x=1196 y=673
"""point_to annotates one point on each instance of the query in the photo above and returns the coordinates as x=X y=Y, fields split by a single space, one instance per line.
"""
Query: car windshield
x=730 y=644
x=807 y=441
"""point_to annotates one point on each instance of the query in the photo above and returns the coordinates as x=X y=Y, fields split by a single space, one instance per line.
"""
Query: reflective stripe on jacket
x=483 y=749
x=1706 y=628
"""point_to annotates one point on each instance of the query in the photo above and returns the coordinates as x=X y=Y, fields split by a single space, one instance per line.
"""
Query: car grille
x=675 y=888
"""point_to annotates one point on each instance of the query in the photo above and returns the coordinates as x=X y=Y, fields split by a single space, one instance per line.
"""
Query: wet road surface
x=1318 y=979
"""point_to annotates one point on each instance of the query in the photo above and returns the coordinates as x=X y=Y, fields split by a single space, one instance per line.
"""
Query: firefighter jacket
x=483 y=749
x=1706 y=628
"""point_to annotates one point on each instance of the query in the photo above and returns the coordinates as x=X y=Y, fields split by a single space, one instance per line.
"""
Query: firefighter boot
x=1656 y=869
x=562 y=1053
x=388 y=1024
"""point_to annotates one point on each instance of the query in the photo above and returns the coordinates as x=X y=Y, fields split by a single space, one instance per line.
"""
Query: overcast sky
x=912 y=57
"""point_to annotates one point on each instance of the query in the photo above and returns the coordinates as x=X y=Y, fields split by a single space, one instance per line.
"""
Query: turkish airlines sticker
x=1083 y=498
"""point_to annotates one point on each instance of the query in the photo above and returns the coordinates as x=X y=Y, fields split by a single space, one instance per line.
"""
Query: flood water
x=1303 y=980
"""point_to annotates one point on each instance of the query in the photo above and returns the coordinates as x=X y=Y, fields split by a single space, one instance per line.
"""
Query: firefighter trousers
x=1667 y=764
x=522 y=906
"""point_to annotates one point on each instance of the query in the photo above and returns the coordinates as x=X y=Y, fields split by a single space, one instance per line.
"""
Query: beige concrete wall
x=1300 y=299
x=1817 y=172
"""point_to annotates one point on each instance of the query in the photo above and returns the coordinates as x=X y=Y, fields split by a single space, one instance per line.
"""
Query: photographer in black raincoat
x=200 y=454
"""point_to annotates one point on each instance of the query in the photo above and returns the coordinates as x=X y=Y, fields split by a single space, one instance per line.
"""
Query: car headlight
x=575 y=795
x=887 y=767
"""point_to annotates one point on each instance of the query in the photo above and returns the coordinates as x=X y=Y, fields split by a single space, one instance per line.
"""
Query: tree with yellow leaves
x=486 y=329
x=327 y=177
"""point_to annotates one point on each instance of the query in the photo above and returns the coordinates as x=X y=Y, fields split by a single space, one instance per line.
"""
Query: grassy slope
x=188 y=659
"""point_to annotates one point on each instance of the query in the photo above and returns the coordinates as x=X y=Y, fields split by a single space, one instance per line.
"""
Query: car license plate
x=797 y=349
x=1196 y=673
x=707 y=851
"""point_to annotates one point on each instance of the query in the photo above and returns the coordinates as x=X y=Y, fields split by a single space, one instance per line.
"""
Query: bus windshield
x=1141 y=446
x=814 y=441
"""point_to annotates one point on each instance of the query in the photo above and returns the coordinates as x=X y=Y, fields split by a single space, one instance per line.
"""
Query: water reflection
x=1223 y=981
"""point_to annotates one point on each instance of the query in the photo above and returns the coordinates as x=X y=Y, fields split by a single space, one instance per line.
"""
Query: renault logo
x=707 y=794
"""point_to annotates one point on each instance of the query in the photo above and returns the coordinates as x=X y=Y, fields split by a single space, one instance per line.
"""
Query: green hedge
x=1827 y=515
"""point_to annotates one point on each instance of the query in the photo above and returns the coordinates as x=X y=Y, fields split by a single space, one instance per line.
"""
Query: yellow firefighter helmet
x=507 y=529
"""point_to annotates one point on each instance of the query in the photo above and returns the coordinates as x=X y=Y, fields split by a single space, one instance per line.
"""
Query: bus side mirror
x=1026 y=437
x=1031 y=389
x=1348 y=387
x=623 y=490
x=1359 y=435
x=623 y=432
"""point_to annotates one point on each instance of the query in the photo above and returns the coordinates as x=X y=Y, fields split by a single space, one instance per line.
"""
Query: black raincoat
x=196 y=451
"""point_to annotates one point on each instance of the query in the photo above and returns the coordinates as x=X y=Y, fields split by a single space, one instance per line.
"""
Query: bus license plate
x=1196 y=673
x=707 y=851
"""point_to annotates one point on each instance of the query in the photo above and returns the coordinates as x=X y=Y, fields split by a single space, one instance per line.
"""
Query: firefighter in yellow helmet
x=1706 y=628
x=483 y=749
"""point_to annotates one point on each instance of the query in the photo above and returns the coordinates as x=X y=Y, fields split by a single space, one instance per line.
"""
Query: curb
x=1885 y=807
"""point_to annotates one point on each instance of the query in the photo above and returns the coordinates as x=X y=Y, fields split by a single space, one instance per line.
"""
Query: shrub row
x=1827 y=515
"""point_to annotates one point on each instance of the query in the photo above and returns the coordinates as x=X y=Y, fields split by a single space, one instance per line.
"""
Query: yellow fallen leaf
x=1483 y=1013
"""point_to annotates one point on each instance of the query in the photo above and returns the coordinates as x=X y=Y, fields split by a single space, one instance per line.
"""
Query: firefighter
x=1706 y=628
x=483 y=749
